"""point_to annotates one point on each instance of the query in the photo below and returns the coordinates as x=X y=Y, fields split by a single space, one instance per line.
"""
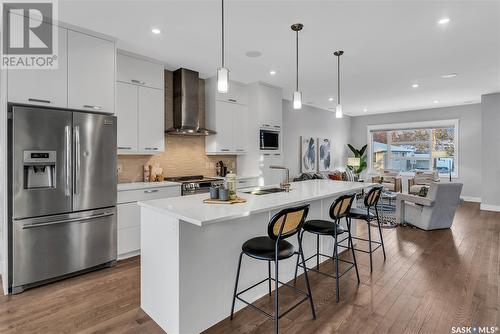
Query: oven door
x=269 y=140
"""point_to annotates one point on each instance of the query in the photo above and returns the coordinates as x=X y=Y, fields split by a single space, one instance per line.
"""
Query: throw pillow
x=423 y=192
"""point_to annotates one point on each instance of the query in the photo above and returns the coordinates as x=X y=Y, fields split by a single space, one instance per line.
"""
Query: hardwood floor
x=430 y=282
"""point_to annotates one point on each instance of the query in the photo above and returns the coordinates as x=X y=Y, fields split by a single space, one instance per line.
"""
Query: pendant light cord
x=223 y=60
x=297 y=63
x=338 y=80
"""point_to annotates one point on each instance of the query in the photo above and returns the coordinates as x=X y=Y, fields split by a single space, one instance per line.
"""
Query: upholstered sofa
x=391 y=181
x=435 y=211
x=420 y=180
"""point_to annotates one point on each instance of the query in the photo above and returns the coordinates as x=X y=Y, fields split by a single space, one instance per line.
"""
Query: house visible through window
x=414 y=146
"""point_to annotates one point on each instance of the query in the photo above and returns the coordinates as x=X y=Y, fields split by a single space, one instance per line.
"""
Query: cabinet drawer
x=129 y=240
x=245 y=183
x=127 y=196
x=139 y=72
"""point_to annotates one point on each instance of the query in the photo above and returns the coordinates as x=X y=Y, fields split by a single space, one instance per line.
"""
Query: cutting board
x=237 y=200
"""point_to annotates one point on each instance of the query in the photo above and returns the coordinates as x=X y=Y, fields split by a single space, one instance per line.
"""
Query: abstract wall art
x=324 y=154
x=308 y=154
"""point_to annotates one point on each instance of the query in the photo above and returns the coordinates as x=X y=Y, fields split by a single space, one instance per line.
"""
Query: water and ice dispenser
x=39 y=169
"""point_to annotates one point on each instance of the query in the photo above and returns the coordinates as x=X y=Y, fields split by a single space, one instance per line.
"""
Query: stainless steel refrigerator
x=62 y=194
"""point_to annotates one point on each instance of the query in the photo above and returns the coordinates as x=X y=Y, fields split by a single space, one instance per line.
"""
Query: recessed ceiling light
x=272 y=72
x=444 y=20
x=253 y=54
x=365 y=109
x=330 y=99
x=449 y=75
x=436 y=101
x=415 y=85
x=156 y=31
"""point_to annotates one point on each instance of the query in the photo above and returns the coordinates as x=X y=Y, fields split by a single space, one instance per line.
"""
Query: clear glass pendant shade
x=222 y=80
x=297 y=100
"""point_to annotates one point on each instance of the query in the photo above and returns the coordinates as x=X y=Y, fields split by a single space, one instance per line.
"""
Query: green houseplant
x=361 y=154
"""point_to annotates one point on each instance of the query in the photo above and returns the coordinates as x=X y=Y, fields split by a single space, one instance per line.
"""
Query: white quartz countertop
x=146 y=185
x=192 y=209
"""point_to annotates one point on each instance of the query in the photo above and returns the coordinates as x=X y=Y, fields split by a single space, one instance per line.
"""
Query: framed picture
x=308 y=154
x=324 y=154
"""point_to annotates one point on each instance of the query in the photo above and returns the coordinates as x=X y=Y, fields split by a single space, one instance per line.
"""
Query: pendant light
x=297 y=95
x=338 y=108
x=222 y=72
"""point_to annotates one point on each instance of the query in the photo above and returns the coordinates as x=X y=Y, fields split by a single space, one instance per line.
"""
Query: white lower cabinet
x=129 y=216
x=129 y=229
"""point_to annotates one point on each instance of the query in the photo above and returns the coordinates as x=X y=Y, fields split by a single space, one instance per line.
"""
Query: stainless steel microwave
x=269 y=140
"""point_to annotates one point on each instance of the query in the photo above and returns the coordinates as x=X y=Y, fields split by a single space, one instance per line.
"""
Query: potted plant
x=360 y=158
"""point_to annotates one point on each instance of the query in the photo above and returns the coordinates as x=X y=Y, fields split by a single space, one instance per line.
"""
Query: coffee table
x=387 y=209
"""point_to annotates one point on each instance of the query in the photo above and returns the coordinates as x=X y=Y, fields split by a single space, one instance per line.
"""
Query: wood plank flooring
x=430 y=282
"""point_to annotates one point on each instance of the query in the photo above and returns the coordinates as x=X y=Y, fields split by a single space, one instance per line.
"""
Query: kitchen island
x=189 y=251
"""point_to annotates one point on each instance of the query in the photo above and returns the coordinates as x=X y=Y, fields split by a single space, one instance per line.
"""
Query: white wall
x=314 y=122
x=490 y=134
x=3 y=177
x=469 y=116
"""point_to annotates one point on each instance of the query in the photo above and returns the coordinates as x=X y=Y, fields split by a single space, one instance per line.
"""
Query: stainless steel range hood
x=187 y=119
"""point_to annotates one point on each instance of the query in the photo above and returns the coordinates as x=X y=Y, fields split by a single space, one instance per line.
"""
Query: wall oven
x=269 y=140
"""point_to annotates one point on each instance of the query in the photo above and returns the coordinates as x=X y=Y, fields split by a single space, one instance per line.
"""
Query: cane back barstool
x=371 y=202
x=274 y=247
x=338 y=210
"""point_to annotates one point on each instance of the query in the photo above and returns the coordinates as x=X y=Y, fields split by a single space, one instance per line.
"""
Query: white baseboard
x=489 y=207
x=128 y=255
x=471 y=199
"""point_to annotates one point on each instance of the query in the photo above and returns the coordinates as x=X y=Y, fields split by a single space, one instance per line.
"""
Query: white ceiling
x=389 y=45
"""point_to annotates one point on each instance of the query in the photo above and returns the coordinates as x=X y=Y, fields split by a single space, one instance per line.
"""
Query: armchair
x=421 y=179
x=391 y=181
x=436 y=211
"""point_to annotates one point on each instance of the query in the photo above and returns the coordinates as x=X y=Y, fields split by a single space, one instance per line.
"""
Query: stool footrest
x=322 y=272
x=378 y=243
x=272 y=316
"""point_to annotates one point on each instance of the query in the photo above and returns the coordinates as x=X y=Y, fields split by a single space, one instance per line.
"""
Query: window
x=414 y=146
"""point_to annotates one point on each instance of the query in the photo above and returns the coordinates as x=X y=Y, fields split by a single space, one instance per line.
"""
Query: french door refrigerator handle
x=77 y=160
x=71 y=220
x=67 y=160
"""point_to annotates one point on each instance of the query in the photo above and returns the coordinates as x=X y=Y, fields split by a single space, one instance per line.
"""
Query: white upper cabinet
x=269 y=106
x=126 y=113
x=42 y=87
x=139 y=72
x=237 y=93
x=139 y=109
x=240 y=126
x=151 y=120
x=227 y=115
x=91 y=73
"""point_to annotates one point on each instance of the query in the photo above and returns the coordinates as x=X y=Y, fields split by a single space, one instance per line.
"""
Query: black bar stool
x=273 y=247
x=338 y=210
x=371 y=201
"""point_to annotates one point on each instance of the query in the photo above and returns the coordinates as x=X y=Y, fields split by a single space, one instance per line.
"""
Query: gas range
x=195 y=184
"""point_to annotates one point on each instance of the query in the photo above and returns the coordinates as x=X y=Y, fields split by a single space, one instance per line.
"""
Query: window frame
x=455 y=123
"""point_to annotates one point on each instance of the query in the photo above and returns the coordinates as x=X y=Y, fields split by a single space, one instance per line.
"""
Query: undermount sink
x=265 y=191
